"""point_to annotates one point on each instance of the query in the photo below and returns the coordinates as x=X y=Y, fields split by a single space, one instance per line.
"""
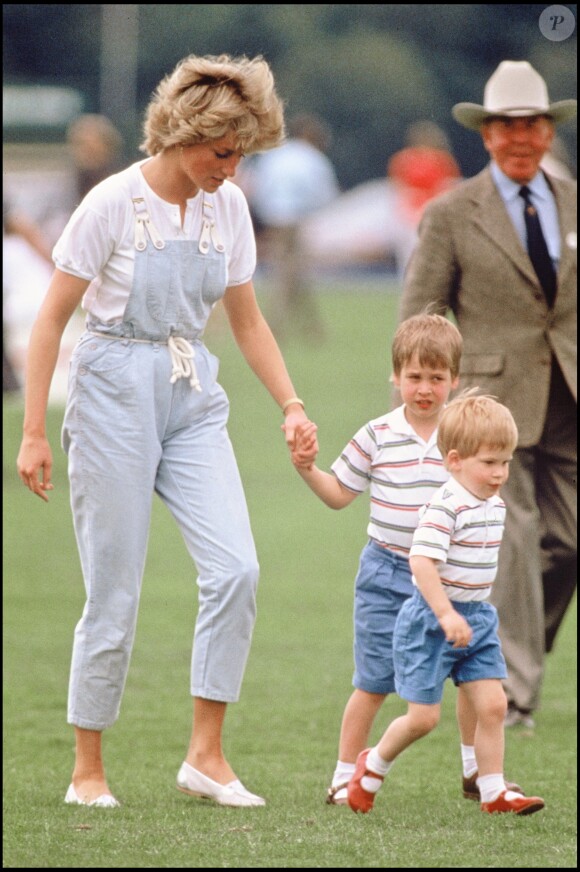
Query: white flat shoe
x=190 y=781
x=104 y=801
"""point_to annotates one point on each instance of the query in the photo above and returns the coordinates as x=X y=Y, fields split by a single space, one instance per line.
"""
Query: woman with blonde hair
x=150 y=251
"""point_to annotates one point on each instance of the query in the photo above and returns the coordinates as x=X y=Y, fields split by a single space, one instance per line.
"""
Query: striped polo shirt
x=462 y=534
x=401 y=471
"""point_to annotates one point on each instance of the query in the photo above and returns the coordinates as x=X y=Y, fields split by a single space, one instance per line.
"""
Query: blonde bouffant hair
x=206 y=98
x=472 y=421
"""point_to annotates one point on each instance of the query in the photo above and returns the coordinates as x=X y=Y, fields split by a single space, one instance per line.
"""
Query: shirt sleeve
x=242 y=249
x=89 y=238
x=353 y=467
x=433 y=534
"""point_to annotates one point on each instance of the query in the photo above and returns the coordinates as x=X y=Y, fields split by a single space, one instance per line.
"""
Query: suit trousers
x=537 y=573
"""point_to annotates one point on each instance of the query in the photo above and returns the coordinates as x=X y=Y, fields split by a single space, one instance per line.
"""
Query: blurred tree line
x=368 y=69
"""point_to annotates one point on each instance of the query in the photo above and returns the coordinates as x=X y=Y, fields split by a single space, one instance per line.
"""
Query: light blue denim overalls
x=134 y=425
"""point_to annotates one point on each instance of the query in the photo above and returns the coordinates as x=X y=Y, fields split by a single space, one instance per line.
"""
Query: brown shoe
x=471 y=790
x=331 y=794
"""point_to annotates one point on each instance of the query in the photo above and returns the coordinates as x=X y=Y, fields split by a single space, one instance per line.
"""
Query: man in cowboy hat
x=480 y=256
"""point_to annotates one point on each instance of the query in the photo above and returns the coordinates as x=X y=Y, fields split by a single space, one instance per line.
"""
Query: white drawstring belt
x=182 y=355
x=181 y=351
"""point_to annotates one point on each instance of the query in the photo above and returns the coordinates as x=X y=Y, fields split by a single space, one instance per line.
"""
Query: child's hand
x=305 y=445
x=456 y=629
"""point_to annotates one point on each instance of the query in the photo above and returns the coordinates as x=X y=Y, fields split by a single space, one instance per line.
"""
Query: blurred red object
x=421 y=173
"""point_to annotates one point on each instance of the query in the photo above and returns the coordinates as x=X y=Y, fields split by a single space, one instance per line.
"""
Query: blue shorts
x=383 y=583
x=424 y=659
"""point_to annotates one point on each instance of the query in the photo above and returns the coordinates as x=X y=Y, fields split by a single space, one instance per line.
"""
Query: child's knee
x=497 y=707
x=423 y=720
x=493 y=706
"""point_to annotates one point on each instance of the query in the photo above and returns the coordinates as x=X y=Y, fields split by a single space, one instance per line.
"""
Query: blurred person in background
x=285 y=186
x=165 y=239
x=419 y=172
x=96 y=147
x=15 y=223
x=510 y=282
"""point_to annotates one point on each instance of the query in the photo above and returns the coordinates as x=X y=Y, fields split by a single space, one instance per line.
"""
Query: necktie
x=537 y=248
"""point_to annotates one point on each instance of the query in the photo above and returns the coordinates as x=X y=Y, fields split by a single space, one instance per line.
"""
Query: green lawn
x=282 y=736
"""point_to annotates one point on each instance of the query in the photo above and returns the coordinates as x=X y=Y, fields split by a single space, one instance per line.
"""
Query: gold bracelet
x=290 y=402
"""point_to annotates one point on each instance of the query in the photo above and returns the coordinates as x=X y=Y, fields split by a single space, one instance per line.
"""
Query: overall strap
x=144 y=225
x=209 y=229
x=143 y=222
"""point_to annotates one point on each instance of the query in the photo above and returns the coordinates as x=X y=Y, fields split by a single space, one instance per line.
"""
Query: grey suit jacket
x=469 y=259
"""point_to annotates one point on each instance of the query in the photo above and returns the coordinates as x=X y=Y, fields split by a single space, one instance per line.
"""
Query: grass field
x=282 y=735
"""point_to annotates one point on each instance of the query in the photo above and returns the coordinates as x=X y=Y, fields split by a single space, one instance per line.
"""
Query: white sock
x=490 y=787
x=469 y=761
x=343 y=772
x=376 y=764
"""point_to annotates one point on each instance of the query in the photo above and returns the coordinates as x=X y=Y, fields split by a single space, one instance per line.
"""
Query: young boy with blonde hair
x=447 y=628
x=396 y=457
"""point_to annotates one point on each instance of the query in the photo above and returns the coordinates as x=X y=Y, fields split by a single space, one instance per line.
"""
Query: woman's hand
x=295 y=417
x=34 y=464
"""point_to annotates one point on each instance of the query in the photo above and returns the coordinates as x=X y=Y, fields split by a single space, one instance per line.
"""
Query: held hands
x=34 y=460
x=456 y=629
x=303 y=445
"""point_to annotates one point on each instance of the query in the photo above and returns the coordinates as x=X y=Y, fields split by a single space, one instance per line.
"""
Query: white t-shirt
x=99 y=240
x=401 y=470
x=462 y=534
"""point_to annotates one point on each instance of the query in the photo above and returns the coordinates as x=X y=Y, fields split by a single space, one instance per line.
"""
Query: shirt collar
x=510 y=190
x=456 y=488
x=399 y=424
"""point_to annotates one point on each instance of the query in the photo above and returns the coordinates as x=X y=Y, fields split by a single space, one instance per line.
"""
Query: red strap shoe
x=517 y=805
x=360 y=799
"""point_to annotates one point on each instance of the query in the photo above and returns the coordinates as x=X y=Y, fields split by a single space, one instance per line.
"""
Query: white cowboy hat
x=514 y=90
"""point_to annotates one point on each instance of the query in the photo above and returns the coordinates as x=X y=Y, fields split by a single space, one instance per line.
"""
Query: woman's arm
x=260 y=349
x=34 y=461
